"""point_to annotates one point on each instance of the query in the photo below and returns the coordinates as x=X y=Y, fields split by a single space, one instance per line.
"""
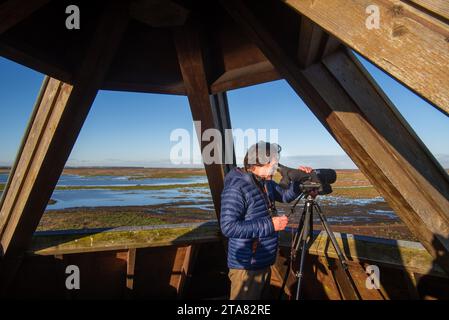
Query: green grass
x=175 y=175
x=158 y=175
x=94 y=219
x=355 y=192
x=136 y=173
x=137 y=187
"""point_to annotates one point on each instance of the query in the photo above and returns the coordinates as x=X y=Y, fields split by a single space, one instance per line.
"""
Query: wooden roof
x=146 y=59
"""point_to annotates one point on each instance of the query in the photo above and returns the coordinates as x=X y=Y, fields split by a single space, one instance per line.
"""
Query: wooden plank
x=186 y=270
x=176 y=269
x=367 y=126
x=130 y=268
x=144 y=87
x=245 y=76
x=13 y=196
x=232 y=49
x=410 y=45
x=94 y=240
x=437 y=7
x=190 y=56
x=341 y=281
x=14 y=11
x=325 y=276
x=52 y=133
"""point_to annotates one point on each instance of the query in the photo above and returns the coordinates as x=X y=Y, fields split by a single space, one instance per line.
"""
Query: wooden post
x=130 y=270
x=222 y=121
x=186 y=270
x=314 y=43
x=60 y=113
x=193 y=69
x=348 y=102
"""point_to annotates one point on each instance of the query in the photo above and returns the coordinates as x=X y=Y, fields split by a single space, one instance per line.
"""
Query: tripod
x=303 y=239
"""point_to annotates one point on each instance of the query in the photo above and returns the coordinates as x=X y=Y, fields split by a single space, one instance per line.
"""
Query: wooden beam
x=14 y=11
x=190 y=56
x=314 y=43
x=57 y=120
x=346 y=290
x=177 y=89
x=177 y=263
x=437 y=7
x=186 y=269
x=245 y=76
x=123 y=238
x=366 y=124
x=410 y=44
x=130 y=270
x=229 y=80
x=310 y=42
x=332 y=44
x=222 y=121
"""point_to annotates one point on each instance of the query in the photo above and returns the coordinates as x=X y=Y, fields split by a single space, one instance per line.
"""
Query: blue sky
x=134 y=128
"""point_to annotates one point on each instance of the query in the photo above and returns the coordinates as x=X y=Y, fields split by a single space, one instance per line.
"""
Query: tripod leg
x=298 y=235
x=311 y=226
x=340 y=255
x=330 y=234
x=293 y=251
x=303 y=245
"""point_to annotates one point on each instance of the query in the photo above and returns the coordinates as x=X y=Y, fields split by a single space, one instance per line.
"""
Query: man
x=247 y=203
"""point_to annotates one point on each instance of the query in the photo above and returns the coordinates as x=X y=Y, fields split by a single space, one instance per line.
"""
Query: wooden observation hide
x=202 y=49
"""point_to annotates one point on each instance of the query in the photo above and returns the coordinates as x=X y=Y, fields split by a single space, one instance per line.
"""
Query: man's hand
x=280 y=223
x=305 y=169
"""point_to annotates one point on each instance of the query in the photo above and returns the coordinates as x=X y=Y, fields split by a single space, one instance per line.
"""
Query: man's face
x=266 y=171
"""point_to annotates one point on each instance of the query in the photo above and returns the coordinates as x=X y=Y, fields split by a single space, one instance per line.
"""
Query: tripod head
x=309 y=191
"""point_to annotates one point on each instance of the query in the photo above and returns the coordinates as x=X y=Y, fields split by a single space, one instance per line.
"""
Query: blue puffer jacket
x=245 y=219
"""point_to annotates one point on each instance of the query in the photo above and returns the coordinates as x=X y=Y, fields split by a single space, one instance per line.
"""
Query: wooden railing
x=188 y=260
